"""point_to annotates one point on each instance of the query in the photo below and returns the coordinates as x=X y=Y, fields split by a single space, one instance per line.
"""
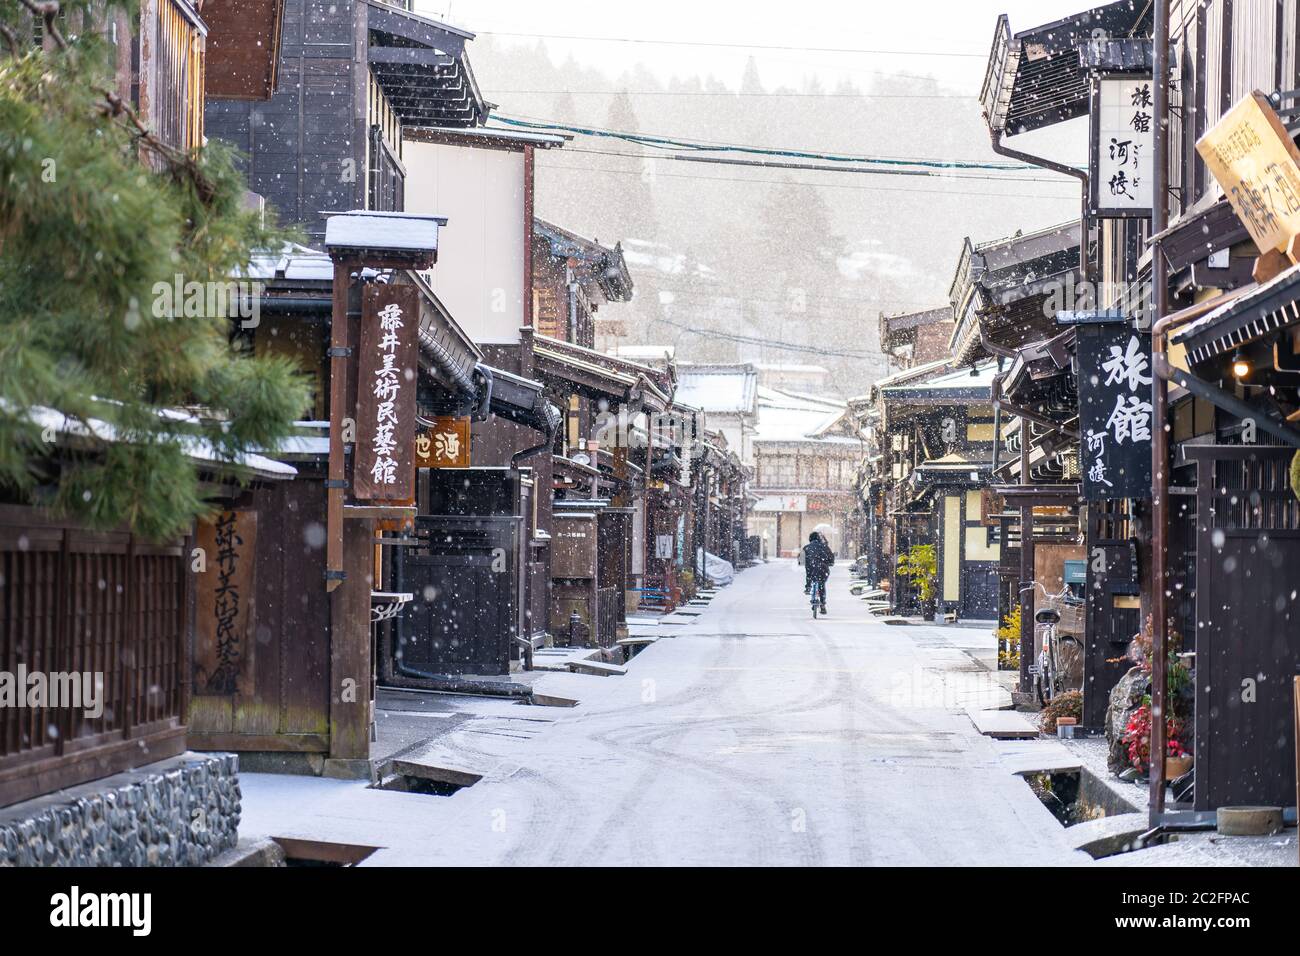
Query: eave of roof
x=1036 y=78
x=1253 y=314
x=425 y=73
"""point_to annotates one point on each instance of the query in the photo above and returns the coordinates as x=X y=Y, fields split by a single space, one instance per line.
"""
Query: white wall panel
x=480 y=272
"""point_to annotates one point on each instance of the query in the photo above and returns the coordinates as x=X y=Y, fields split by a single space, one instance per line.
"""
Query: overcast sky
x=928 y=30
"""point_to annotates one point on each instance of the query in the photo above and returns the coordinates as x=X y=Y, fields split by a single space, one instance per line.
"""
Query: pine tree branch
x=11 y=40
x=48 y=11
x=178 y=159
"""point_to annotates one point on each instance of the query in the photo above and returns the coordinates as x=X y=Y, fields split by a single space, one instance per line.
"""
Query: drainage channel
x=403 y=776
x=322 y=853
x=1076 y=798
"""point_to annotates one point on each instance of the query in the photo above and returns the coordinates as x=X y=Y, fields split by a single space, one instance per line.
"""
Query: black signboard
x=1115 y=420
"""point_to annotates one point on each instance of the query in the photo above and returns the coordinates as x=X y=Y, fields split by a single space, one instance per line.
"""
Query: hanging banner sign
x=1120 y=178
x=387 y=369
x=663 y=546
x=1256 y=162
x=1115 y=418
x=445 y=445
x=781 y=503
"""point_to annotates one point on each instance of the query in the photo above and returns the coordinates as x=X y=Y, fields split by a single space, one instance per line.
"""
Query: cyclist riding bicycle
x=817 y=561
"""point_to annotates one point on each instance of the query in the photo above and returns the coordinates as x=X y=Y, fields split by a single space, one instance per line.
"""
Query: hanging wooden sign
x=1115 y=416
x=224 y=595
x=387 y=370
x=1122 y=131
x=445 y=445
x=1256 y=162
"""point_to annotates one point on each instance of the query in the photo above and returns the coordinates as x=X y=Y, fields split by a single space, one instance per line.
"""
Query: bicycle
x=1058 y=666
x=818 y=593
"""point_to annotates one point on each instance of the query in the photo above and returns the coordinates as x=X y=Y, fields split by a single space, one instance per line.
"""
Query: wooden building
x=937 y=433
x=909 y=339
x=1186 y=549
x=806 y=457
x=72 y=599
x=351 y=77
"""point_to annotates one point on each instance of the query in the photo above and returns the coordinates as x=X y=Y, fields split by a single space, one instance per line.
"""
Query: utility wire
x=805 y=182
x=959 y=175
x=706 y=145
x=670 y=143
x=767 y=343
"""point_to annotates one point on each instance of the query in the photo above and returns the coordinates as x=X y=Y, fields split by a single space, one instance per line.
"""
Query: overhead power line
x=804 y=182
x=809 y=166
x=767 y=343
x=681 y=144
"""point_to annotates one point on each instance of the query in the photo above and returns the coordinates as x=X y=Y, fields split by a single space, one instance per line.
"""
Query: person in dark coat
x=817 y=561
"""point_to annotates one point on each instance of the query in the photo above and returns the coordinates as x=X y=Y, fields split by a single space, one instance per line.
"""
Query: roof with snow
x=1002 y=288
x=718 y=388
x=76 y=431
x=1041 y=76
x=787 y=418
x=663 y=259
x=661 y=354
x=361 y=229
x=952 y=384
x=423 y=67
x=605 y=267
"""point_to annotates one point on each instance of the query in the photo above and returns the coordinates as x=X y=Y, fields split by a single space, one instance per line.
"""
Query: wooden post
x=338 y=412
x=1026 y=568
x=530 y=319
x=350 y=647
x=1159 y=415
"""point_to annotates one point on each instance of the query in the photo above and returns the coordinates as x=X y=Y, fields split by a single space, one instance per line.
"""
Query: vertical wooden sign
x=387 y=370
x=1114 y=411
x=223 y=633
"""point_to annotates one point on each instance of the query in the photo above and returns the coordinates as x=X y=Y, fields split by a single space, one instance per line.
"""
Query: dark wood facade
x=351 y=76
x=107 y=605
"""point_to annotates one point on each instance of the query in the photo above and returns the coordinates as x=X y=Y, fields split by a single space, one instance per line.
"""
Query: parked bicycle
x=1058 y=665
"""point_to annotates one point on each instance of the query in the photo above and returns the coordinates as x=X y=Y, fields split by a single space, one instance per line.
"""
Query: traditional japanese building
x=351 y=77
x=937 y=429
x=110 y=602
x=916 y=338
x=1179 y=425
x=806 y=456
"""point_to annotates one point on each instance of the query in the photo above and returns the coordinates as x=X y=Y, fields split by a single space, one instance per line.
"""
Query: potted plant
x=1009 y=641
x=1137 y=737
x=921 y=567
x=1177 y=761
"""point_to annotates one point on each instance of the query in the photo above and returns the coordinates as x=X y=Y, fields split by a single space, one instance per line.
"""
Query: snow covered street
x=753 y=735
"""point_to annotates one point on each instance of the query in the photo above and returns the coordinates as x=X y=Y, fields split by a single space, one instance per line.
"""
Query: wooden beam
x=350 y=647
x=410 y=56
x=338 y=412
x=278 y=743
x=379 y=511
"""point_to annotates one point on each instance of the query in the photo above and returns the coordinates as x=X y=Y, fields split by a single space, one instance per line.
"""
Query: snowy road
x=753 y=736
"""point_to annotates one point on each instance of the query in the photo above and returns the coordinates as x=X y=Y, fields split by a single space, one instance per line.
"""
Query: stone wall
x=183 y=811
